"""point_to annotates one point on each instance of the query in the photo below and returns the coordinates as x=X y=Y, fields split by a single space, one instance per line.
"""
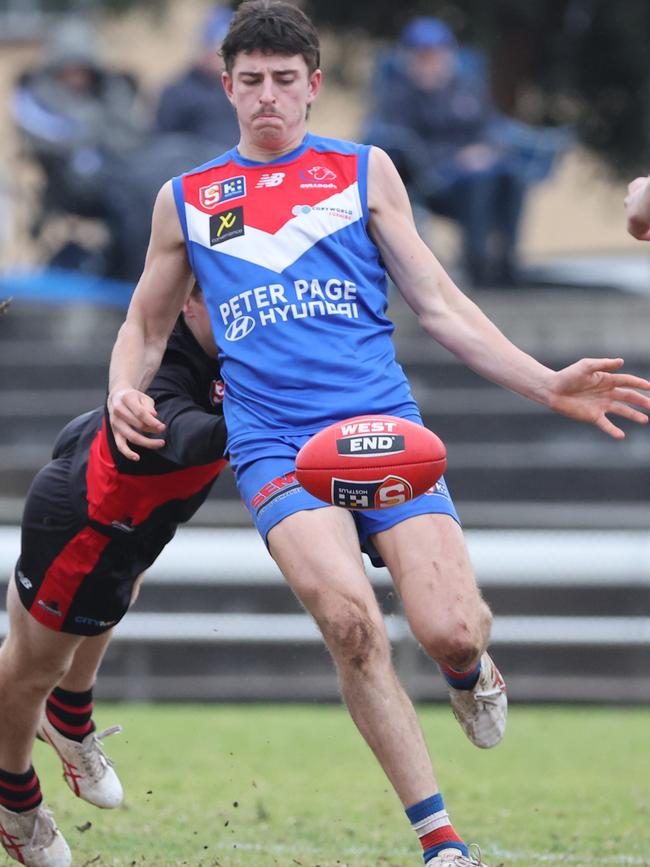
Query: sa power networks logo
x=376 y=494
x=270 y=179
x=226 y=225
x=222 y=191
x=318 y=177
x=240 y=328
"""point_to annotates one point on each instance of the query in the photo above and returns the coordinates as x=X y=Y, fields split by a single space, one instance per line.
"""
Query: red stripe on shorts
x=65 y=575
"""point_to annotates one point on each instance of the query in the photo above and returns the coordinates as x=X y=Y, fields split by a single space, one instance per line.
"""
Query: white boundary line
x=530 y=858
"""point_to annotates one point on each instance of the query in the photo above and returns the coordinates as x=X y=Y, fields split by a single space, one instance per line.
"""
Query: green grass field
x=295 y=785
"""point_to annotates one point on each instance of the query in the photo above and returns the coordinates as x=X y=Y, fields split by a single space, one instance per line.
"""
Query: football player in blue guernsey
x=291 y=236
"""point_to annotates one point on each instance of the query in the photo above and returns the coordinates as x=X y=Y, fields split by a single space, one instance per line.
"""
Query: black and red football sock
x=20 y=792
x=71 y=712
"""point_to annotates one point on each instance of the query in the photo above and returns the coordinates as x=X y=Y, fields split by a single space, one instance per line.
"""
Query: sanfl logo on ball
x=239 y=328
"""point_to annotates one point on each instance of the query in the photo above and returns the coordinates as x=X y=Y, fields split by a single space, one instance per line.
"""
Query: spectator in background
x=83 y=123
x=435 y=119
x=196 y=103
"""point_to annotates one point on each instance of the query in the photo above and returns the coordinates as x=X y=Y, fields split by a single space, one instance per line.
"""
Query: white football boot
x=483 y=710
x=86 y=768
x=33 y=839
x=455 y=858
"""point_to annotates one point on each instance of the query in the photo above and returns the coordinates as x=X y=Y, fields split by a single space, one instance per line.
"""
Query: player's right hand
x=637 y=206
x=132 y=415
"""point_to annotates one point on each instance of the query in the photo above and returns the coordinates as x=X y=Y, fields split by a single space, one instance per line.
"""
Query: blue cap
x=216 y=26
x=427 y=32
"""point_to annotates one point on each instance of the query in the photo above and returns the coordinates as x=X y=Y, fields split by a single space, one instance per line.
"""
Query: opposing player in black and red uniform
x=93 y=522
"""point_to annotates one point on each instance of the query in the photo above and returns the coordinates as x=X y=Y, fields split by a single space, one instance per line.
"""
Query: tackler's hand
x=133 y=415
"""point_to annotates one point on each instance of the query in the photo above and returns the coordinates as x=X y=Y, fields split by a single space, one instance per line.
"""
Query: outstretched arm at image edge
x=585 y=391
x=158 y=298
x=637 y=208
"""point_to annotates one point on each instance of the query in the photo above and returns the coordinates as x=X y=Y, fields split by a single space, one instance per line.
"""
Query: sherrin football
x=371 y=462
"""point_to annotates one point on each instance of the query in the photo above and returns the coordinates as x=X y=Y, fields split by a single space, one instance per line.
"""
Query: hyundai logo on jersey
x=239 y=328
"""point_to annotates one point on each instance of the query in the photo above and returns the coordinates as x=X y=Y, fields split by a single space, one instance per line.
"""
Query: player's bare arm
x=586 y=390
x=637 y=208
x=157 y=301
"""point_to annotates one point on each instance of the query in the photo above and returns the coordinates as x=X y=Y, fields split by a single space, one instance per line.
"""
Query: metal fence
x=569 y=600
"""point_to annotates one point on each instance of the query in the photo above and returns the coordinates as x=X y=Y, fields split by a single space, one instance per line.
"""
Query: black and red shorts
x=72 y=575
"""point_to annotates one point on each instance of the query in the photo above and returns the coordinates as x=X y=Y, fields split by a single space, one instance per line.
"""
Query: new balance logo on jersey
x=270 y=179
x=363 y=446
x=226 y=225
x=222 y=191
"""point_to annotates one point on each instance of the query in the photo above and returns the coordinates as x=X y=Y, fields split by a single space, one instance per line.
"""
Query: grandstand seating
x=573 y=607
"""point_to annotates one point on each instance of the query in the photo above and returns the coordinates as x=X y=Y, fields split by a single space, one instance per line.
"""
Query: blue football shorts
x=265 y=474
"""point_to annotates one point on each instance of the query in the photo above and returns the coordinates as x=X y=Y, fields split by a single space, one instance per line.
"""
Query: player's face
x=271 y=94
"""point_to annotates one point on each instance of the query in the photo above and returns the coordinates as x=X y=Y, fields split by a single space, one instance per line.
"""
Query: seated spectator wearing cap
x=436 y=120
x=196 y=102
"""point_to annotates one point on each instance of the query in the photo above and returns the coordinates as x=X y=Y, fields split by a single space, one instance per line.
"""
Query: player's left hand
x=590 y=388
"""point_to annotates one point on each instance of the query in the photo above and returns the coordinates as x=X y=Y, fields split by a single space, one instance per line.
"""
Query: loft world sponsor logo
x=222 y=191
x=371 y=444
x=226 y=225
x=340 y=213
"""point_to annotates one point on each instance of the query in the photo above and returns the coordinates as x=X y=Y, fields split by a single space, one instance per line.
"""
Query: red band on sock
x=22 y=787
x=454 y=672
x=69 y=708
x=23 y=804
x=65 y=728
x=446 y=834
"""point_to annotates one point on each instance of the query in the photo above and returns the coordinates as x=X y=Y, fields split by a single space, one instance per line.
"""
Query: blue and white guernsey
x=295 y=288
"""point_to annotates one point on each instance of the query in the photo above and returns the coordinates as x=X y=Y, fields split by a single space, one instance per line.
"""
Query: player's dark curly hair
x=274 y=27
